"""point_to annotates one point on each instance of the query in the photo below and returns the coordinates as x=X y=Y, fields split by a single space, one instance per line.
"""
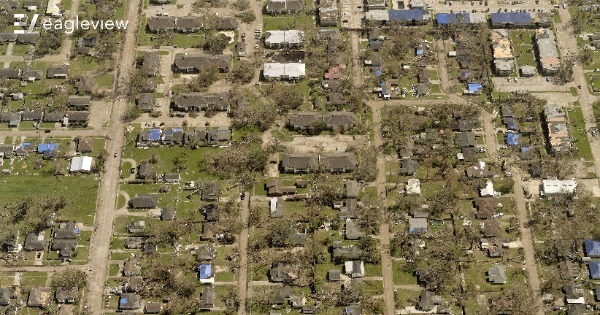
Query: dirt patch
x=338 y=143
x=288 y=56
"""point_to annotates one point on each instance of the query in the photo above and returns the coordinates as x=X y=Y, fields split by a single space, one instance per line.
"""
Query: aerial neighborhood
x=291 y=156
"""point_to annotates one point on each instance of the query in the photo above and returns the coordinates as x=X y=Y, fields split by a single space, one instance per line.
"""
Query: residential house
x=335 y=162
x=574 y=294
x=353 y=231
x=334 y=275
x=161 y=24
x=172 y=136
x=6 y=151
x=10 y=73
x=284 y=71
x=210 y=192
x=521 y=19
x=206 y=274
x=85 y=145
x=32 y=115
x=131 y=267
x=376 y=5
x=189 y=102
x=58 y=72
x=146 y=102
x=355 y=268
x=39 y=297
x=206 y=252
x=81 y=164
x=278 y=273
x=594 y=269
x=275 y=7
x=85 y=46
x=76 y=118
x=226 y=23
x=193 y=63
x=168 y=214
x=547 y=53
x=146 y=171
x=299 y=162
x=496 y=274
x=144 y=201
x=152 y=308
x=408 y=167
x=479 y=171
x=32 y=75
x=504 y=60
x=65 y=239
x=135 y=242
x=275 y=188
x=428 y=301
x=220 y=136
x=339 y=120
x=556 y=126
x=350 y=252
x=354 y=309
x=66 y=295
x=277 y=207
x=486 y=207
x=28 y=38
x=210 y=212
x=149 y=86
x=136 y=227
x=151 y=63
x=557 y=187
x=413 y=187
x=417 y=225
x=130 y=301
x=591 y=248
x=207 y=298
x=352 y=188
x=35 y=241
x=284 y=39
x=491 y=228
x=466 y=139
x=328 y=13
x=172 y=178
x=6 y=294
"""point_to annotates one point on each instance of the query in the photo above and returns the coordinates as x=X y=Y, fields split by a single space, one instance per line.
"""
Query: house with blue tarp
x=504 y=19
x=592 y=248
x=205 y=274
x=130 y=301
x=474 y=88
x=460 y=18
x=43 y=147
x=512 y=139
x=146 y=137
x=409 y=16
x=594 y=267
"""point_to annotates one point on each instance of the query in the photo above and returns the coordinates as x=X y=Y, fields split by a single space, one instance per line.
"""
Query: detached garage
x=81 y=164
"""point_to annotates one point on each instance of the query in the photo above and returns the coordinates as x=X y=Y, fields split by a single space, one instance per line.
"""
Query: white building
x=488 y=190
x=281 y=39
x=413 y=187
x=555 y=187
x=81 y=164
x=53 y=10
x=284 y=71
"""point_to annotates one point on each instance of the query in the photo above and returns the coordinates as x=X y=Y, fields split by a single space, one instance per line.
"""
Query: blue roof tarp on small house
x=594 y=267
x=43 y=147
x=204 y=271
x=406 y=15
x=511 y=18
x=123 y=301
x=512 y=139
x=154 y=134
x=442 y=18
x=592 y=248
x=474 y=87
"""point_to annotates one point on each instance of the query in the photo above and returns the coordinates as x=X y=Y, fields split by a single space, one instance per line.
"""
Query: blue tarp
x=474 y=87
x=123 y=301
x=511 y=18
x=592 y=248
x=154 y=134
x=419 y=51
x=47 y=147
x=452 y=18
x=25 y=144
x=204 y=271
x=406 y=15
x=594 y=269
x=512 y=139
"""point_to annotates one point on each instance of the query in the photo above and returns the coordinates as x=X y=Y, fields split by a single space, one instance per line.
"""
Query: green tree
x=215 y=44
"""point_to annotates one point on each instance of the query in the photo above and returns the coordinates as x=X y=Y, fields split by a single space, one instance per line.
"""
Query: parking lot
x=352 y=14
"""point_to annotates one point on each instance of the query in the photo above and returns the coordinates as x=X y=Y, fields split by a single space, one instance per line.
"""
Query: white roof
x=278 y=70
x=557 y=187
x=53 y=8
x=488 y=190
x=377 y=15
x=284 y=37
x=413 y=187
x=81 y=164
x=273 y=204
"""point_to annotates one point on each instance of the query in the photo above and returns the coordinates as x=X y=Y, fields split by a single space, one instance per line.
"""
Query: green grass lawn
x=34 y=279
x=85 y=64
x=580 y=133
x=21 y=50
x=105 y=81
x=271 y=23
x=3 y=49
x=80 y=192
x=523 y=47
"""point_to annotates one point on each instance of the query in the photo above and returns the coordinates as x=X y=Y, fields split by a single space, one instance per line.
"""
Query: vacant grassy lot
x=580 y=133
x=285 y=22
x=80 y=192
x=522 y=41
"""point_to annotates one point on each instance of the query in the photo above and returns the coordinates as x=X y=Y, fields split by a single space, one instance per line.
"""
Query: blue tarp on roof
x=452 y=18
x=25 y=144
x=474 y=87
x=592 y=248
x=420 y=51
x=511 y=18
x=204 y=271
x=512 y=139
x=406 y=15
x=43 y=147
x=594 y=267
x=123 y=301
x=154 y=134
